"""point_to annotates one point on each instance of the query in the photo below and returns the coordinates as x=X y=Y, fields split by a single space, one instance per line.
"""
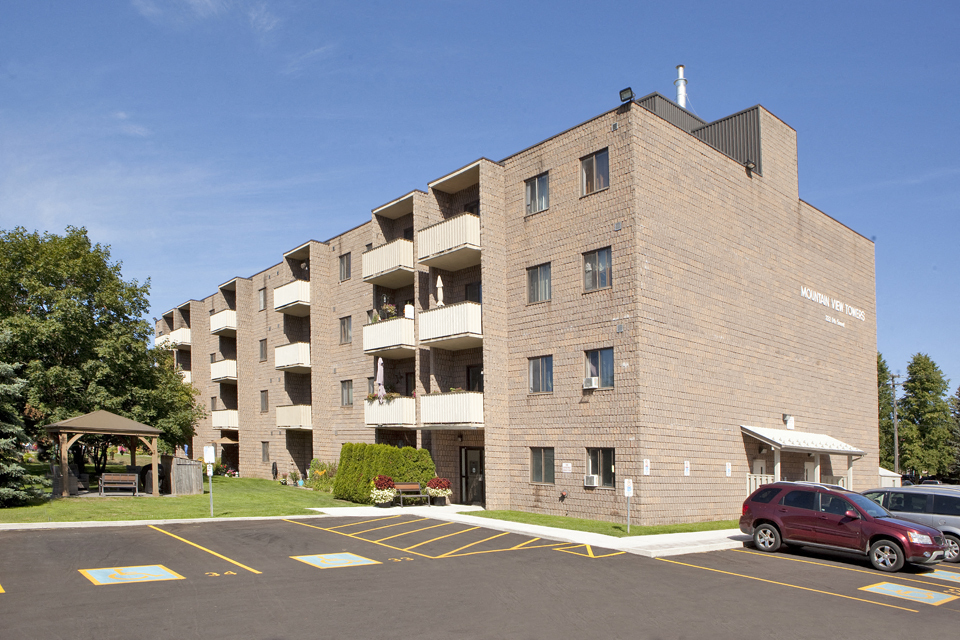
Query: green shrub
x=360 y=463
x=321 y=475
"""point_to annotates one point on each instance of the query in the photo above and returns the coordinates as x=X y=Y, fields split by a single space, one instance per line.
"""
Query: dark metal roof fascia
x=670 y=111
x=737 y=136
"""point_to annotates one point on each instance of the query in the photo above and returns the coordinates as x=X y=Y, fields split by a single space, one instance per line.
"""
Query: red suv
x=829 y=517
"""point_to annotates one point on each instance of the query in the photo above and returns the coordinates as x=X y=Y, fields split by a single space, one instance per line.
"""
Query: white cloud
x=183 y=12
x=295 y=65
x=261 y=19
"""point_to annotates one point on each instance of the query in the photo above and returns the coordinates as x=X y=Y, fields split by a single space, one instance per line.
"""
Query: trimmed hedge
x=360 y=463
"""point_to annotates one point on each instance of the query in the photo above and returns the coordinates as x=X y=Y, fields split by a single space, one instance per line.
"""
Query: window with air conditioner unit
x=598 y=372
x=600 y=468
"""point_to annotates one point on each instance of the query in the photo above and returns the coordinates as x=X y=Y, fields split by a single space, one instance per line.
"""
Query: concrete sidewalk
x=654 y=546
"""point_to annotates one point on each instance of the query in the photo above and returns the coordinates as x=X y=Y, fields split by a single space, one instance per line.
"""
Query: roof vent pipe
x=681 y=84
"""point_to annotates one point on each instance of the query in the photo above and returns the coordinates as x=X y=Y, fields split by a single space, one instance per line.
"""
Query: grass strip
x=616 y=529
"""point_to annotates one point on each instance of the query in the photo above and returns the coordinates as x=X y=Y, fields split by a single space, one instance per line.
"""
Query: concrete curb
x=27 y=526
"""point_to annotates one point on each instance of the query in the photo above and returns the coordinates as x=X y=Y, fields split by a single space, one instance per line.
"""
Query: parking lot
x=401 y=576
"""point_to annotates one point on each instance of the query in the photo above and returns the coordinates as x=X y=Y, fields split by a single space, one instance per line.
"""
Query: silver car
x=936 y=506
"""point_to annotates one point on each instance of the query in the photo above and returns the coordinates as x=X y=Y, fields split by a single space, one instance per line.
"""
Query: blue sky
x=202 y=138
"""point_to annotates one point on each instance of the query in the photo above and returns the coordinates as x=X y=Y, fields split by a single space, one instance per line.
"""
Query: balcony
x=390 y=265
x=452 y=244
x=187 y=377
x=225 y=419
x=295 y=416
x=392 y=339
x=460 y=410
x=294 y=357
x=224 y=371
x=293 y=298
x=399 y=412
x=224 y=323
x=454 y=326
x=177 y=339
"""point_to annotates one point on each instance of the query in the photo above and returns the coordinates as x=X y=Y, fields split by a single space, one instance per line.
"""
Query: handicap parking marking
x=940 y=574
x=912 y=594
x=124 y=575
x=589 y=551
x=335 y=560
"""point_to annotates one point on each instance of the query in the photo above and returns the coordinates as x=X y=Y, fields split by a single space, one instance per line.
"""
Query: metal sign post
x=628 y=492
x=210 y=457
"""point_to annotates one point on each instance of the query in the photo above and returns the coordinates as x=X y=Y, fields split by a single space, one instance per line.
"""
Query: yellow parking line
x=525 y=543
x=406 y=533
x=784 y=584
x=194 y=544
x=1 y=589
x=341 y=533
x=353 y=524
x=467 y=546
x=773 y=556
x=387 y=526
x=455 y=533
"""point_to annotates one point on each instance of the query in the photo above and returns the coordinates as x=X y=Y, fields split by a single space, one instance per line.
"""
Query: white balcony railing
x=293 y=357
x=452 y=244
x=757 y=480
x=225 y=419
x=187 y=377
x=224 y=323
x=223 y=371
x=293 y=298
x=399 y=412
x=392 y=338
x=178 y=339
x=459 y=409
x=454 y=326
x=390 y=265
x=295 y=416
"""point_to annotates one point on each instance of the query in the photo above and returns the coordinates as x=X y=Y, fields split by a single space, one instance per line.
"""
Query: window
x=410 y=382
x=262 y=299
x=472 y=207
x=475 y=378
x=800 y=500
x=213 y=358
x=538 y=283
x=909 y=502
x=346 y=393
x=834 y=505
x=213 y=403
x=541 y=374
x=538 y=193
x=408 y=233
x=594 y=172
x=370 y=316
x=765 y=495
x=600 y=365
x=876 y=496
x=369 y=246
x=346 y=330
x=473 y=292
x=600 y=463
x=264 y=401
x=541 y=465
x=265 y=452
x=596 y=269
x=263 y=350
x=344 y=267
x=946 y=505
x=371 y=386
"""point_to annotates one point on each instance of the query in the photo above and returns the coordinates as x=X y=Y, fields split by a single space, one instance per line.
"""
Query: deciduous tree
x=925 y=421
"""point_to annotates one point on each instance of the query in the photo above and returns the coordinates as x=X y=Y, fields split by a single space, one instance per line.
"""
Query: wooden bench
x=127 y=481
x=410 y=490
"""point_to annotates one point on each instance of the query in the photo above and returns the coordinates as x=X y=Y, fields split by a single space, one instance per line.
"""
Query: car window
x=908 y=502
x=946 y=505
x=765 y=495
x=867 y=505
x=834 y=504
x=799 y=499
x=876 y=496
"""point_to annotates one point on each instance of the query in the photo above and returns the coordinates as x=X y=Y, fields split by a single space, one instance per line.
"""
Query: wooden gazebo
x=104 y=423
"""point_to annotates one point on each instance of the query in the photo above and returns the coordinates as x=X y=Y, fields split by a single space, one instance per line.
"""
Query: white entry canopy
x=788 y=440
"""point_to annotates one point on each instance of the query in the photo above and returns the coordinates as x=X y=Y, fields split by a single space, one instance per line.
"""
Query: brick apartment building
x=642 y=296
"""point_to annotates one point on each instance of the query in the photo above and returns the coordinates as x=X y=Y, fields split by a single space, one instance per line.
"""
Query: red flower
x=439 y=483
x=383 y=482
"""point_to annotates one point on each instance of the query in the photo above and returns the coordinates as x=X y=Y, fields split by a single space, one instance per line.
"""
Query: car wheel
x=886 y=555
x=953 y=548
x=766 y=538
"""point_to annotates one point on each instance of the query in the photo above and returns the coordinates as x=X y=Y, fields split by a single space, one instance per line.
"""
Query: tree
x=925 y=421
x=16 y=486
x=885 y=405
x=77 y=326
x=954 y=470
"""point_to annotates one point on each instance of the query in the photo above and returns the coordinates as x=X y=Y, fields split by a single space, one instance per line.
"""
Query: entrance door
x=471 y=475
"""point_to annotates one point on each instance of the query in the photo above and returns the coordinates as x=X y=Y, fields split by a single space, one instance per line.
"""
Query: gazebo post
x=133 y=450
x=64 y=468
x=156 y=468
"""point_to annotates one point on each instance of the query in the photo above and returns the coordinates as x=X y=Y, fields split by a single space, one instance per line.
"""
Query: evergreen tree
x=16 y=486
x=925 y=421
x=954 y=470
x=885 y=404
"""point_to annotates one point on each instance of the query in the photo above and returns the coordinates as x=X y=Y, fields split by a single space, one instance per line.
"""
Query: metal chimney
x=681 y=84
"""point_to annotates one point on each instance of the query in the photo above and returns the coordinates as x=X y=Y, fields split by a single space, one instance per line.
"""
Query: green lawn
x=596 y=526
x=232 y=498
